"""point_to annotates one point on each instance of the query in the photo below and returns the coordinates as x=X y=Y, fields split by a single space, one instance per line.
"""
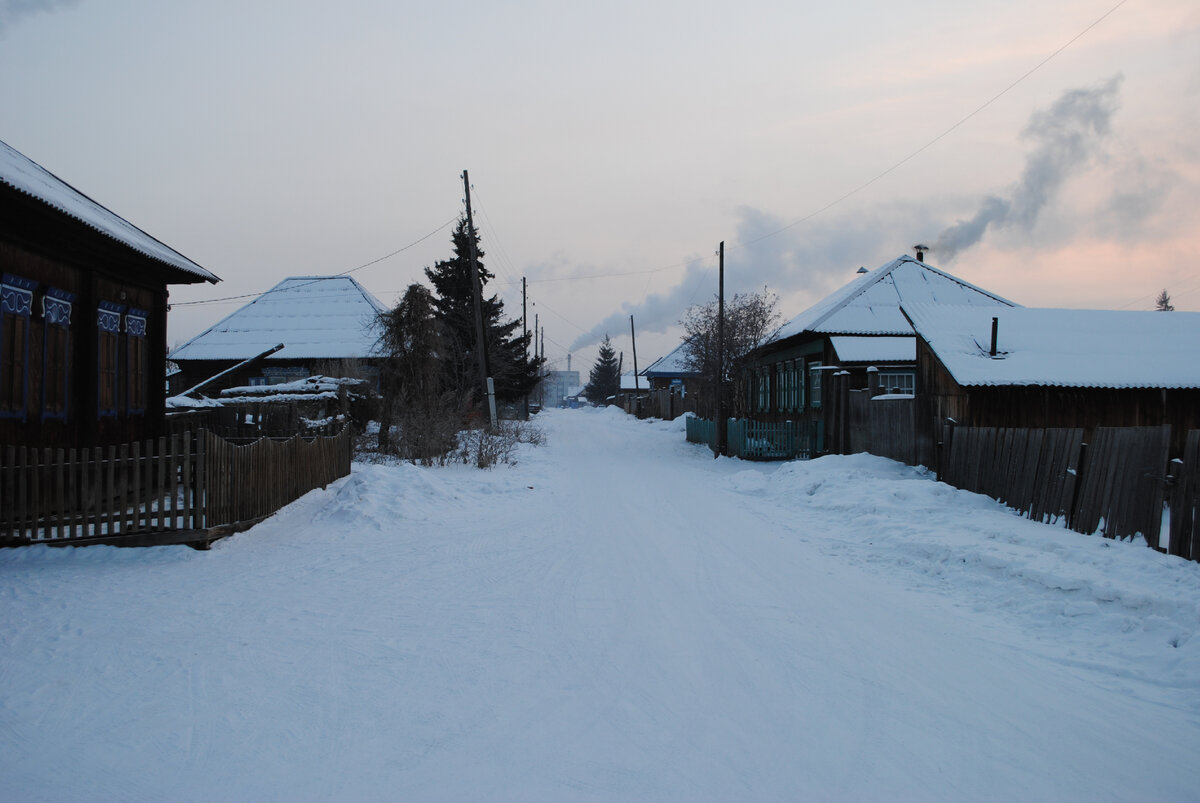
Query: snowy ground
x=618 y=617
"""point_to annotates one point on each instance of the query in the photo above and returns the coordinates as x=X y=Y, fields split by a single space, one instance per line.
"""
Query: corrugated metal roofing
x=1075 y=348
x=315 y=317
x=850 y=348
x=22 y=173
x=870 y=305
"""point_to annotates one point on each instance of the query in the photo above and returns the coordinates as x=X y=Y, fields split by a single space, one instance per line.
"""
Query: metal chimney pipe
x=995 y=331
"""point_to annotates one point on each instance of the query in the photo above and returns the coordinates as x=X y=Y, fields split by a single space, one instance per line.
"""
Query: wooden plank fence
x=179 y=489
x=1185 y=500
x=1114 y=485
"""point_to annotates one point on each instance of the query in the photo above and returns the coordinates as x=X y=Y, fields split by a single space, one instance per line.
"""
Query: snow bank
x=617 y=617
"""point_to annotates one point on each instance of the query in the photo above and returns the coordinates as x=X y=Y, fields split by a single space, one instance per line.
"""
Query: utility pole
x=632 y=337
x=525 y=336
x=722 y=424
x=489 y=390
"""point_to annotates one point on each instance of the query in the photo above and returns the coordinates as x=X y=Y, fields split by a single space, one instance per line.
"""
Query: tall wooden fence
x=1116 y=485
x=1185 y=500
x=181 y=489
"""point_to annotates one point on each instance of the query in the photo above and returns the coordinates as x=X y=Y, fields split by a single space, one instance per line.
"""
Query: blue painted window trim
x=16 y=300
x=135 y=330
x=56 y=312
x=108 y=322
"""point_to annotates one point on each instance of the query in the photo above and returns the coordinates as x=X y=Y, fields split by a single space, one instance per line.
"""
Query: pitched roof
x=1079 y=348
x=27 y=176
x=852 y=348
x=870 y=305
x=672 y=365
x=315 y=317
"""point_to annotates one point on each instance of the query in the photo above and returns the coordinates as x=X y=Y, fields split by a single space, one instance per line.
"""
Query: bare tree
x=751 y=319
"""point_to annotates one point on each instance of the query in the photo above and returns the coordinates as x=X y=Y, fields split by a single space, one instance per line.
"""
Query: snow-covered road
x=617 y=617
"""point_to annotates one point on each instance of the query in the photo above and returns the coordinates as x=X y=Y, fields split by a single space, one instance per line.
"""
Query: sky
x=1047 y=152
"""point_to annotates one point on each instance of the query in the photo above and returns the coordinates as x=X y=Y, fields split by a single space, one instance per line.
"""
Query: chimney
x=995 y=330
x=920 y=249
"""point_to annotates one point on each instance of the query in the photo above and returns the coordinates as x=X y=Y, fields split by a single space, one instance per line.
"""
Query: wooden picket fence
x=756 y=440
x=181 y=489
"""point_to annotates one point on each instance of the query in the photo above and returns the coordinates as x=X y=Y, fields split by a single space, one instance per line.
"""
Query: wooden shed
x=83 y=315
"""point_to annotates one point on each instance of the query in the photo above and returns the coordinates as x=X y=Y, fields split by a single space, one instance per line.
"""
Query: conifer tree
x=514 y=372
x=604 y=381
x=1163 y=302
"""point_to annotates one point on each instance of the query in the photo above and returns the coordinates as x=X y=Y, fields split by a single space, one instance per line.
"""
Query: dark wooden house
x=855 y=328
x=1043 y=368
x=83 y=315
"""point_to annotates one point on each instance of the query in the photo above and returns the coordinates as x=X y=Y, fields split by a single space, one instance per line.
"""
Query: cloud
x=13 y=12
x=1066 y=136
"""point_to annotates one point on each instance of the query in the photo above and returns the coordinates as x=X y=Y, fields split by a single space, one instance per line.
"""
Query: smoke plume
x=1066 y=136
x=14 y=11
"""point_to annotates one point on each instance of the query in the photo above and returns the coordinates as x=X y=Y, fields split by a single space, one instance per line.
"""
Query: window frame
x=910 y=374
x=56 y=322
x=136 y=357
x=108 y=353
x=16 y=304
x=814 y=384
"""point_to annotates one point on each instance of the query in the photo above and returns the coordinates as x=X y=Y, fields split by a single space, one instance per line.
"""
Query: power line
x=305 y=284
x=846 y=196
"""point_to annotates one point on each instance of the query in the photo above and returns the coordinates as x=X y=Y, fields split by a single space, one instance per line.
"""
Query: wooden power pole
x=489 y=390
x=722 y=424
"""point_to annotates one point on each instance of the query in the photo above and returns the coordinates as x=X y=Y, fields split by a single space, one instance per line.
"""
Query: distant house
x=854 y=328
x=83 y=315
x=325 y=323
x=1057 y=368
x=671 y=371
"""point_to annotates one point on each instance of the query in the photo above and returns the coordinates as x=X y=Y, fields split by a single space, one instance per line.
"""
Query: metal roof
x=27 y=176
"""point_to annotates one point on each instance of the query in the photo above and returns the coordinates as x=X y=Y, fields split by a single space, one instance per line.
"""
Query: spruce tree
x=1163 y=302
x=514 y=373
x=604 y=381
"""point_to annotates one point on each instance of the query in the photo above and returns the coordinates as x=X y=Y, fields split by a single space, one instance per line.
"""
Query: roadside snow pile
x=1073 y=591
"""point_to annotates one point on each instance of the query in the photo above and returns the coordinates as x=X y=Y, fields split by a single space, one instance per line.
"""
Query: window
x=814 y=384
x=897 y=381
x=16 y=302
x=763 y=389
x=135 y=359
x=108 y=321
x=56 y=352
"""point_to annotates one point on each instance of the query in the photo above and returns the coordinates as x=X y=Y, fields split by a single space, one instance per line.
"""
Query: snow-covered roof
x=627 y=382
x=870 y=305
x=852 y=348
x=315 y=317
x=671 y=364
x=25 y=175
x=1063 y=347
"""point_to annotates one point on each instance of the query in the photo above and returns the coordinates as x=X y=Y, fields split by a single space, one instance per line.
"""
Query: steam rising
x=1067 y=135
x=14 y=11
